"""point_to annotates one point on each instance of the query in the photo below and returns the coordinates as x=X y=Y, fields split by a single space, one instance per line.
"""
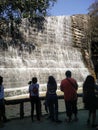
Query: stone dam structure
x=56 y=49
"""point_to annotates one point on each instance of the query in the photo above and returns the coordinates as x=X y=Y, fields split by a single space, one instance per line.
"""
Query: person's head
x=1 y=80
x=29 y=82
x=68 y=73
x=34 y=80
x=51 y=80
x=89 y=79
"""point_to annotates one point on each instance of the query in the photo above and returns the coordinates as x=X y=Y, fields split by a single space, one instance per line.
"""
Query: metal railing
x=22 y=106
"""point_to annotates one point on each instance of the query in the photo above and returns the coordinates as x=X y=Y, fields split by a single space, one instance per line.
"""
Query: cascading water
x=53 y=55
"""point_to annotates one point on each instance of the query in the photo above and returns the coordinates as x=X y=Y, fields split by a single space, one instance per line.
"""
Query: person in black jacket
x=3 y=118
x=89 y=99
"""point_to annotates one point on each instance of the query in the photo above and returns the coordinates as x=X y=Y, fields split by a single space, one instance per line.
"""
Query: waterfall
x=53 y=55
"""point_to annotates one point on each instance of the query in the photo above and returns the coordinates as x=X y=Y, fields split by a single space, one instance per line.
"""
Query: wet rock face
x=79 y=28
x=54 y=53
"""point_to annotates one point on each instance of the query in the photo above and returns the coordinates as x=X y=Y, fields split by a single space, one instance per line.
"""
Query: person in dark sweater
x=52 y=99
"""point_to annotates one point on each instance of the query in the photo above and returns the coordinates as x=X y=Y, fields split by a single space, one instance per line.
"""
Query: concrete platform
x=45 y=124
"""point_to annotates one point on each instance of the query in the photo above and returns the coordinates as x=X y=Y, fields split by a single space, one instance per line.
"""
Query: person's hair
x=1 y=80
x=52 y=81
x=68 y=73
x=34 y=80
x=89 y=80
x=29 y=82
x=89 y=84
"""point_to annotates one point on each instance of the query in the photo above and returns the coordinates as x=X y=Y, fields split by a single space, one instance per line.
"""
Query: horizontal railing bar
x=27 y=99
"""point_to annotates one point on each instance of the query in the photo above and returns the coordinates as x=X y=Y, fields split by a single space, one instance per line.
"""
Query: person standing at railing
x=2 y=102
x=52 y=99
x=69 y=86
x=89 y=99
x=35 y=100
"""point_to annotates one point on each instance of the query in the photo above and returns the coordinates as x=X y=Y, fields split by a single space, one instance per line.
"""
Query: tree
x=13 y=11
x=93 y=29
x=93 y=13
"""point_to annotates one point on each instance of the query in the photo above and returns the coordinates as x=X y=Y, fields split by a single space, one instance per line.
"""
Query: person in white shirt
x=34 y=97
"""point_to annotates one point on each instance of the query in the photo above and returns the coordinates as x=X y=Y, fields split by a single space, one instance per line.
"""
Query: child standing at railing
x=35 y=100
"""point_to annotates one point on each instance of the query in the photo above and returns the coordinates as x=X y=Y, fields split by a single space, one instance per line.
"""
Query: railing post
x=21 y=110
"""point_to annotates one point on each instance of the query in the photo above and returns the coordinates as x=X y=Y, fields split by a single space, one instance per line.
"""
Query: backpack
x=35 y=90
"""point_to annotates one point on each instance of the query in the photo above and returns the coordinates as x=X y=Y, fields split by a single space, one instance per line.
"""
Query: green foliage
x=13 y=11
x=25 y=8
x=93 y=13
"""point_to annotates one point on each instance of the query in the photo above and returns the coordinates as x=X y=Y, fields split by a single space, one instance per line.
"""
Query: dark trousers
x=71 y=108
x=52 y=100
x=2 y=110
x=35 y=102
